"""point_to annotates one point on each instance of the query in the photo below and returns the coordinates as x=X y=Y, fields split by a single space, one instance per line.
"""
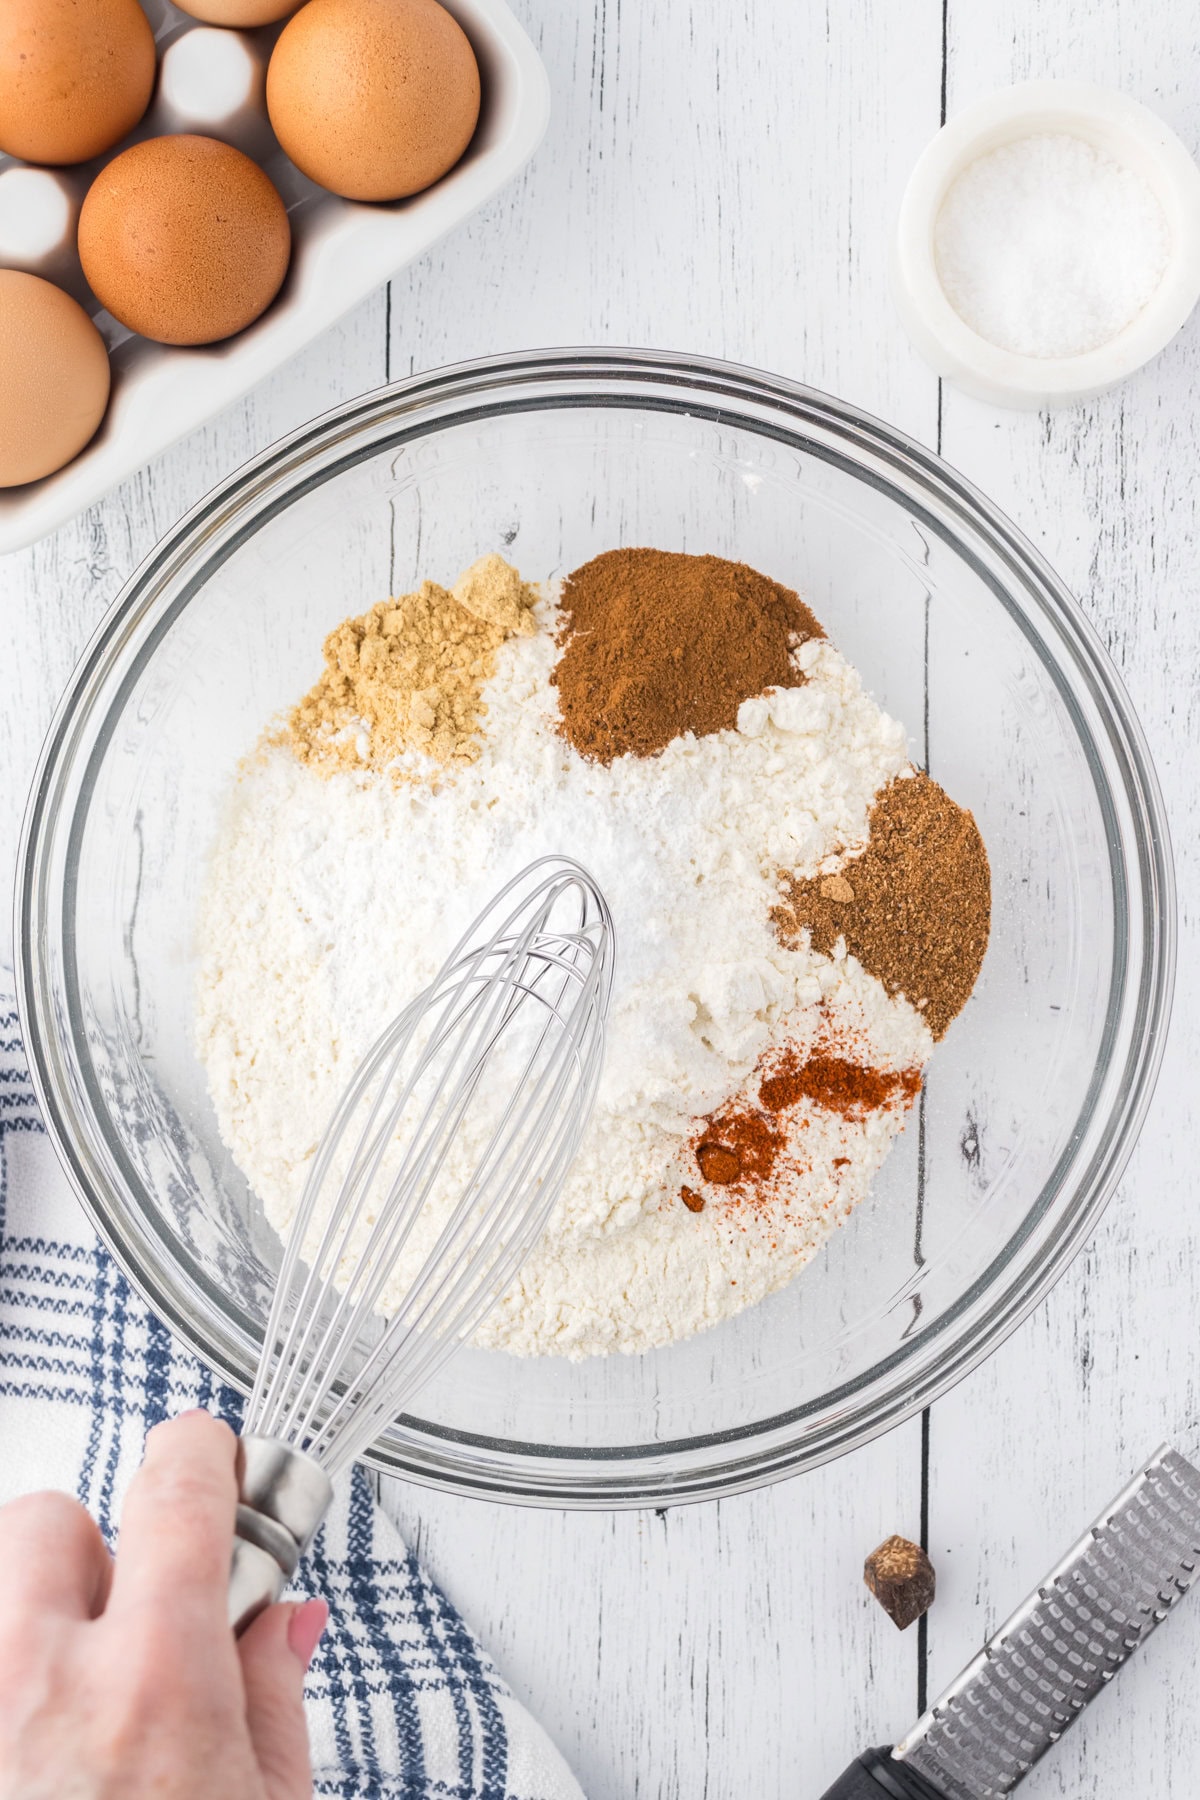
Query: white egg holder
x=341 y=251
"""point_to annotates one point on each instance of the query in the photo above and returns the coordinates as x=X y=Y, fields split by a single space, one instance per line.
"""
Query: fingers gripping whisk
x=443 y=1159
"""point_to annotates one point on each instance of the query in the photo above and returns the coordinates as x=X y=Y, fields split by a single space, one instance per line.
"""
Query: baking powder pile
x=333 y=897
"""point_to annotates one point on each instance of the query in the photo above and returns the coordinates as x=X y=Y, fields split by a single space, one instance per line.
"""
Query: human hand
x=121 y=1680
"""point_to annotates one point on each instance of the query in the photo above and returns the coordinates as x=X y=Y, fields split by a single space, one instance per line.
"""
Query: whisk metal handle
x=282 y=1497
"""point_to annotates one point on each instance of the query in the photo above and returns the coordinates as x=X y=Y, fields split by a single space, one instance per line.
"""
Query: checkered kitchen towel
x=403 y=1704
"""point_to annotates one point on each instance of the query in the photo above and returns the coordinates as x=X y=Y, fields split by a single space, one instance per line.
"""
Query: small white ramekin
x=1116 y=126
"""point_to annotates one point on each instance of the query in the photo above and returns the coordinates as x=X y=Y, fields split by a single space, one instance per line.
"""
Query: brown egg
x=238 y=12
x=53 y=378
x=373 y=99
x=184 y=239
x=75 y=76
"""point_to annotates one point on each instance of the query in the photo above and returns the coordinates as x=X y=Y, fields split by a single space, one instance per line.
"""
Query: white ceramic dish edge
x=346 y=252
x=1114 y=124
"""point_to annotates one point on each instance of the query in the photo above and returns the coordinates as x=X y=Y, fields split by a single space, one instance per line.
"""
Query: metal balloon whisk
x=446 y=1153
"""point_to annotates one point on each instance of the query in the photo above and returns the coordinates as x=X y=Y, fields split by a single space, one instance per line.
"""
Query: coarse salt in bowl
x=1109 y=200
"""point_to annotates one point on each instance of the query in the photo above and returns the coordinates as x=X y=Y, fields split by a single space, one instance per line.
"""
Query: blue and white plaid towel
x=403 y=1704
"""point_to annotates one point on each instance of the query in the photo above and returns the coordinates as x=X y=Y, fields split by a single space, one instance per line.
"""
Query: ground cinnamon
x=656 y=643
x=914 y=907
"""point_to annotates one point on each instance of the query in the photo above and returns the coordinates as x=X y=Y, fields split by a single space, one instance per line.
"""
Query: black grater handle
x=876 y=1775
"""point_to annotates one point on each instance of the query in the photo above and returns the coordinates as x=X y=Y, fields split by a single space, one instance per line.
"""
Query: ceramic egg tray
x=341 y=251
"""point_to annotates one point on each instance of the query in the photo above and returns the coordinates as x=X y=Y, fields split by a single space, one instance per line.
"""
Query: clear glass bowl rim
x=899 y=1385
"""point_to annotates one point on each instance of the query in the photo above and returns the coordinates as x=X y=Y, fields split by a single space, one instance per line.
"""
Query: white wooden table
x=720 y=178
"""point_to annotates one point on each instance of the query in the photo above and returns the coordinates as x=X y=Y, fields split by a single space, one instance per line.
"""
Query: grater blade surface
x=1066 y=1641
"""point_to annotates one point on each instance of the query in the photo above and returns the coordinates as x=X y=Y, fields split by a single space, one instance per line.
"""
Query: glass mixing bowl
x=960 y=629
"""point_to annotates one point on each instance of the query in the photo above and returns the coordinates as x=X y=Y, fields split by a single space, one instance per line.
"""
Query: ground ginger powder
x=409 y=675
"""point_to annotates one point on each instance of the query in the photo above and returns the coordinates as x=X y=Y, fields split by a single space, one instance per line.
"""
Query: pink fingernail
x=305 y=1627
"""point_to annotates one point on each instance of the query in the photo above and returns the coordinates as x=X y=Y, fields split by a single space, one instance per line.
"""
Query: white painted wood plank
x=1027 y=1452
x=716 y=179
x=709 y=1651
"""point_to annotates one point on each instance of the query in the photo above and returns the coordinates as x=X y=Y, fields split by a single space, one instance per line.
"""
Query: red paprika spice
x=739 y=1145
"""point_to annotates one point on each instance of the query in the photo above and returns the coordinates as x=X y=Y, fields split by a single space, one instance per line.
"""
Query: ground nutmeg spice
x=915 y=907
x=655 y=643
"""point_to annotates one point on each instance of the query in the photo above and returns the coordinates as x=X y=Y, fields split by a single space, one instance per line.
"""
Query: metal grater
x=1066 y=1642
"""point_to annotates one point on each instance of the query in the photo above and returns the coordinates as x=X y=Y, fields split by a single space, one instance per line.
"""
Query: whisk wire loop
x=403 y=1205
x=437 y=1316
x=475 y=1100
x=347 y=1210
x=399 y=1214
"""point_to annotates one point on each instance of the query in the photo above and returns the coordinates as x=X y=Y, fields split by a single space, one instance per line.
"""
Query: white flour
x=331 y=901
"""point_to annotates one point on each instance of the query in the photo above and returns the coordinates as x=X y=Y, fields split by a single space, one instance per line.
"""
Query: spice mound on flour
x=656 y=644
x=409 y=675
x=753 y=1147
x=915 y=907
